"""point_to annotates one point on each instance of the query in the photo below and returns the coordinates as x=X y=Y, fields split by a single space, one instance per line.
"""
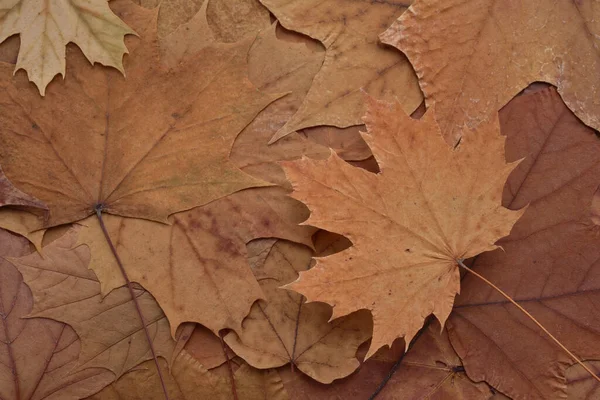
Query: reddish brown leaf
x=549 y=263
x=37 y=355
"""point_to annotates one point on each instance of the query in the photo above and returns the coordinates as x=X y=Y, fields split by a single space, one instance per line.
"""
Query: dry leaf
x=429 y=206
x=285 y=330
x=23 y=223
x=549 y=263
x=207 y=348
x=229 y=20
x=346 y=142
x=196 y=268
x=11 y=196
x=279 y=61
x=580 y=385
x=109 y=328
x=46 y=27
x=189 y=380
x=121 y=144
x=472 y=57
x=37 y=355
x=430 y=370
x=353 y=60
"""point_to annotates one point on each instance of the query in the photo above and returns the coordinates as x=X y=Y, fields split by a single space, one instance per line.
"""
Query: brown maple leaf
x=37 y=355
x=472 y=57
x=189 y=380
x=279 y=61
x=45 y=28
x=430 y=206
x=430 y=370
x=580 y=385
x=285 y=330
x=11 y=196
x=354 y=59
x=121 y=144
x=196 y=267
x=111 y=333
x=550 y=260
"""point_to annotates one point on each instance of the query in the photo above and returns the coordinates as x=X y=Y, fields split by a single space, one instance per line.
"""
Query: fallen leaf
x=430 y=205
x=111 y=334
x=229 y=20
x=580 y=385
x=46 y=27
x=196 y=267
x=280 y=61
x=354 y=60
x=11 y=196
x=286 y=330
x=346 y=142
x=121 y=144
x=548 y=263
x=430 y=370
x=37 y=355
x=472 y=57
x=189 y=380
x=207 y=348
x=23 y=223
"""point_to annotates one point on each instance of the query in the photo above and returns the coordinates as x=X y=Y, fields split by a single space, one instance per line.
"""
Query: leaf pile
x=275 y=199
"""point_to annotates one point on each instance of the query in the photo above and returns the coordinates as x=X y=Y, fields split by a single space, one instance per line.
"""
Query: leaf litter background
x=229 y=91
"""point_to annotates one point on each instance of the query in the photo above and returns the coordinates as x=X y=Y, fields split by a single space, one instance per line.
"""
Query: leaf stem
x=133 y=298
x=524 y=311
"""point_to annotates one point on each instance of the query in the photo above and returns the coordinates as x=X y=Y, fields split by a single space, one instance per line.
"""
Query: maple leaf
x=431 y=369
x=430 y=206
x=279 y=61
x=46 y=27
x=189 y=380
x=353 y=60
x=65 y=290
x=11 y=196
x=121 y=144
x=549 y=263
x=37 y=355
x=207 y=348
x=285 y=330
x=474 y=56
x=196 y=266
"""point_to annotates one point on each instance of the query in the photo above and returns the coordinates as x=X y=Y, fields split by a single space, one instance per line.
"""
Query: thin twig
x=133 y=298
x=399 y=362
x=224 y=346
x=524 y=311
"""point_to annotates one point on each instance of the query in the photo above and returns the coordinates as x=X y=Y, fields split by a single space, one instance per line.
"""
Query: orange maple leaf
x=430 y=206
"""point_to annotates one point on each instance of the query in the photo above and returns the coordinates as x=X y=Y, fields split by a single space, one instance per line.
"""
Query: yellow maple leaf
x=46 y=27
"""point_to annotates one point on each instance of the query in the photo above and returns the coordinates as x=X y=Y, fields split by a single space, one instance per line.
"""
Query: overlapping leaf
x=111 y=333
x=354 y=59
x=37 y=355
x=429 y=206
x=130 y=146
x=472 y=57
x=286 y=330
x=189 y=380
x=196 y=267
x=550 y=260
x=46 y=27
